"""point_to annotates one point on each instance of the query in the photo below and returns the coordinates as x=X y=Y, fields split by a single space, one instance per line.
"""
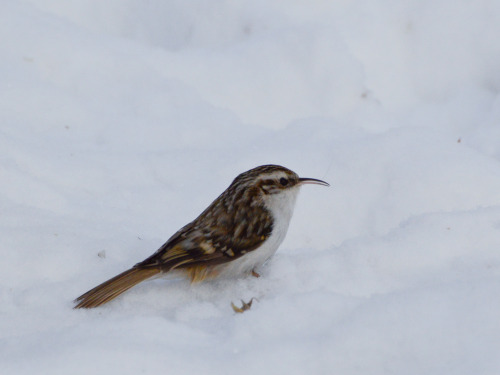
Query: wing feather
x=213 y=239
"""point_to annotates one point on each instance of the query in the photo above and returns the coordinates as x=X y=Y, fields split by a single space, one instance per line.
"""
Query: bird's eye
x=283 y=181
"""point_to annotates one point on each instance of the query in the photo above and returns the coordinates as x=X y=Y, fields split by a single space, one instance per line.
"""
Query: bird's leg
x=255 y=274
x=244 y=307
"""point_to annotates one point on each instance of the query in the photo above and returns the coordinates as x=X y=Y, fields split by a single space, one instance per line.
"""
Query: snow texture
x=121 y=120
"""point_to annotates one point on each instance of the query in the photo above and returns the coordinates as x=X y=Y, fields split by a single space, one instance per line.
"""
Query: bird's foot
x=244 y=307
x=255 y=274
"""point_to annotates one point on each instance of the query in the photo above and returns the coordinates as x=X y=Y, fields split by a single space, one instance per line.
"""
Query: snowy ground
x=122 y=120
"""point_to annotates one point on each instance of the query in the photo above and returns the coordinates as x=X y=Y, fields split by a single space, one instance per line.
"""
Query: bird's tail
x=112 y=288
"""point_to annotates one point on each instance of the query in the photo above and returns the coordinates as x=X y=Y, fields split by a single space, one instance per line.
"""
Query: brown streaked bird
x=236 y=234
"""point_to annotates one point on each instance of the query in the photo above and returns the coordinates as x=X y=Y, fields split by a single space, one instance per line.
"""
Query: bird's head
x=270 y=184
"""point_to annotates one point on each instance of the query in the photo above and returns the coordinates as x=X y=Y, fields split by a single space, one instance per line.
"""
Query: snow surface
x=121 y=120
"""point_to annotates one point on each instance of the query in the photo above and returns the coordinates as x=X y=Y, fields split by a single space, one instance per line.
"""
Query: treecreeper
x=235 y=235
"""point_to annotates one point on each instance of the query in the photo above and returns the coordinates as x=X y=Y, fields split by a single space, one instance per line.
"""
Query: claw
x=255 y=274
x=244 y=307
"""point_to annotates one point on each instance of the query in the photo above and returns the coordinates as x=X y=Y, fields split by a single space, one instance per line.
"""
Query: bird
x=235 y=235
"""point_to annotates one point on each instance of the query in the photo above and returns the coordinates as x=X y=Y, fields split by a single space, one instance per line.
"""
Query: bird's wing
x=210 y=241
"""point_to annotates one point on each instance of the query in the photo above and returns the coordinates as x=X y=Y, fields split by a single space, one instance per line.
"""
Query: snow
x=122 y=120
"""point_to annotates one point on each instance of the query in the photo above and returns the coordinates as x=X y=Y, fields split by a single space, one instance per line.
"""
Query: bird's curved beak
x=304 y=180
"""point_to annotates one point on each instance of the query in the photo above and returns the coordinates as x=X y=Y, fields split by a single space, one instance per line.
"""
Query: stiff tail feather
x=112 y=288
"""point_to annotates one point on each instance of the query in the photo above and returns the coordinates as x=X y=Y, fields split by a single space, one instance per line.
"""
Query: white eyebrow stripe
x=274 y=176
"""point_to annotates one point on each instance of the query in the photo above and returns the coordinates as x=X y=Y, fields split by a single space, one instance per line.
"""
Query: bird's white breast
x=281 y=207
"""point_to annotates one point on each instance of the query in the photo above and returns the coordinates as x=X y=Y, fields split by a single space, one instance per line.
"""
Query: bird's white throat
x=281 y=207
